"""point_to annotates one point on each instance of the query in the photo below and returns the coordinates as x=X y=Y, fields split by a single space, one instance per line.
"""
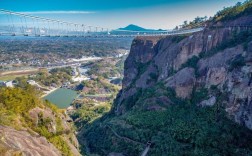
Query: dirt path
x=147 y=148
x=124 y=138
x=18 y=72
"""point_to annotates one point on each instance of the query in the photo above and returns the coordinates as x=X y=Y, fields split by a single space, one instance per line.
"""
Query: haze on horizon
x=158 y=14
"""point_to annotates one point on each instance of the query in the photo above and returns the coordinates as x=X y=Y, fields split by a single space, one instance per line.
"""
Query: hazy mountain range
x=133 y=27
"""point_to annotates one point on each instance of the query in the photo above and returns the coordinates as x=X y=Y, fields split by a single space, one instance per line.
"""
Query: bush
x=242 y=37
x=187 y=130
x=237 y=62
x=18 y=100
x=177 y=39
x=199 y=95
x=60 y=144
x=192 y=62
x=229 y=13
x=15 y=105
x=153 y=76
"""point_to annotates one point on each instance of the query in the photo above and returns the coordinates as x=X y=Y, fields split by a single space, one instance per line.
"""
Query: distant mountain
x=133 y=27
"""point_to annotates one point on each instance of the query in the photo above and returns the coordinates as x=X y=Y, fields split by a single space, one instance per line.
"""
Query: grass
x=12 y=77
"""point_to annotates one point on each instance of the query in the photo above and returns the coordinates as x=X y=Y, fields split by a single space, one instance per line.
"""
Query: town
x=68 y=80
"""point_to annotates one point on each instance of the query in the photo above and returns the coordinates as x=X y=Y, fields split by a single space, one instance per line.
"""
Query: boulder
x=183 y=82
x=209 y=102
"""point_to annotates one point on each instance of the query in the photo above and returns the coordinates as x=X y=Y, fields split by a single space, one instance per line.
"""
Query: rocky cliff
x=187 y=63
x=186 y=94
x=36 y=140
x=23 y=143
x=32 y=126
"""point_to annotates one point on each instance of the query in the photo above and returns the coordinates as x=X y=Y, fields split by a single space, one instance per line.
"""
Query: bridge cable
x=21 y=28
x=13 y=27
x=9 y=23
x=26 y=26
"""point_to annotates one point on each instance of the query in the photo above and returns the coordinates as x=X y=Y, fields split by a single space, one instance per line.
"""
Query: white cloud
x=58 y=12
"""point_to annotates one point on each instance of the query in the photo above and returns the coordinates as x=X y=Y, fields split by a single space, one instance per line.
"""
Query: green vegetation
x=89 y=112
x=199 y=95
x=12 y=77
x=233 y=12
x=17 y=100
x=178 y=38
x=99 y=85
x=180 y=129
x=56 y=76
x=237 y=62
x=120 y=64
x=192 y=62
x=16 y=104
x=238 y=37
x=197 y=22
x=153 y=76
x=141 y=68
x=107 y=68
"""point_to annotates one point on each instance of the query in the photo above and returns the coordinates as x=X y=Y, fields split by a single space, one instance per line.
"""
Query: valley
x=183 y=94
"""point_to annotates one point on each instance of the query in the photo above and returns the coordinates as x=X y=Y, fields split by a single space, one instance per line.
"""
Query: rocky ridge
x=25 y=140
x=187 y=63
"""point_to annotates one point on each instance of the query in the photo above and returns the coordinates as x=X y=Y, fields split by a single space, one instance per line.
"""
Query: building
x=31 y=82
x=6 y=84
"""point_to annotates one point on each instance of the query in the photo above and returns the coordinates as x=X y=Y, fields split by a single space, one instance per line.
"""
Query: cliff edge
x=182 y=95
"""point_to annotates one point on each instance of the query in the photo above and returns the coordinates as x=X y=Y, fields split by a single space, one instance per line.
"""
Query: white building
x=31 y=82
x=7 y=84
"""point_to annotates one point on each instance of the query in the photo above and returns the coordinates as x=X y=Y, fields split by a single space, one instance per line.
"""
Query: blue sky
x=165 y=14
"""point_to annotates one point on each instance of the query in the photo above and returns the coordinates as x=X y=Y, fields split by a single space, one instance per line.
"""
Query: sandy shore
x=49 y=92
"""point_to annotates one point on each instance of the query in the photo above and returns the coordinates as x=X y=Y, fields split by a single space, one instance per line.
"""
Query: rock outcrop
x=183 y=94
x=26 y=140
x=37 y=114
x=183 y=82
x=22 y=143
x=187 y=63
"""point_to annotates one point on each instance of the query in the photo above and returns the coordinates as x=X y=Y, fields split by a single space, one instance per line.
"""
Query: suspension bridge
x=20 y=24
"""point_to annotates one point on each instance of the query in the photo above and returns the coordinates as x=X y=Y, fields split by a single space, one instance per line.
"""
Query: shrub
x=178 y=38
x=192 y=62
x=233 y=12
x=237 y=62
x=60 y=144
x=242 y=37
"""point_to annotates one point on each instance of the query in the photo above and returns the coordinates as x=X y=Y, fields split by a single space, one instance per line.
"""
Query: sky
x=155 y=14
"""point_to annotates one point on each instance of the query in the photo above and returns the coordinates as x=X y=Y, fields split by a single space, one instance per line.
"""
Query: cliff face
x=207 y=59
x=21 y=142
x=186 y=94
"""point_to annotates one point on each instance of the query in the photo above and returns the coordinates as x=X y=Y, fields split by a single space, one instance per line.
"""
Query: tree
x=185 y=23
